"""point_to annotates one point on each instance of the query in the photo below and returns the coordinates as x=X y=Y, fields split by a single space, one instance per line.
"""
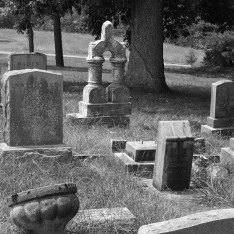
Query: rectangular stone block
x=120 y=217
x=143 y=168
x=220 y=123
x=19 y=61
x=174 y=154
x=61 y=153
x=222 y=99
x=141 y=150
x=32 y=107
x=105 y=109
x=220 y=221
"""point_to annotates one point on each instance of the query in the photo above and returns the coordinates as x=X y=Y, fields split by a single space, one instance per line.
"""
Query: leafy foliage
x=219 y=49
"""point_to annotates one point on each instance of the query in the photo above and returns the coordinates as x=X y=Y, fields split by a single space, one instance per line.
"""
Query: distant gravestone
x=32 y=108
x=221 y=119
x=210 y=222
x=174 y=154
x=19 y=61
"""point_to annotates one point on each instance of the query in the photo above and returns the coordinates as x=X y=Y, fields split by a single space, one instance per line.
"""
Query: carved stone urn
x=44 y=210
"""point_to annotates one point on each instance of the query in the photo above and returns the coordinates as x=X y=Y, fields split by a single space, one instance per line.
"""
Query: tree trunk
x=30 y=35
x=146 y=68
x=58 y=41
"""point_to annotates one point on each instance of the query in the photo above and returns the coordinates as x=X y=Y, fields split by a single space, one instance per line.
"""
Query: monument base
x=207 y=131
x=44 y=152
x=132 y=166
x=111 y=121
x=105 y=109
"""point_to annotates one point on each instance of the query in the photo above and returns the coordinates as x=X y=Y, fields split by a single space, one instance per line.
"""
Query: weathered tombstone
x=111 y=105
x=210 y=222
x=221 y=119
x=32 y=111
x=174 y=154
x=19 y=61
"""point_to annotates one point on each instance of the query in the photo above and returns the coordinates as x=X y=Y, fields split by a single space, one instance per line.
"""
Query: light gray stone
x=174 y=154
x=227 y=156
x=32 y=108
x=141 y=150
x=210 y=222
x=19 y=61
x=96 y=217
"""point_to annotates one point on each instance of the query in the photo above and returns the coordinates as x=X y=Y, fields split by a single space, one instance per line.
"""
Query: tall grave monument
x=113 y=103
x=33 y=113
x=174 y=154
x=221 y=119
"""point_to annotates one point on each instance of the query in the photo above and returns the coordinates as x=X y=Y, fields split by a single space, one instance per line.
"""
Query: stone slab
x=118 y=145
x=227 y=158
x=19 y=61
x=141 y=150
x=174 y=155
x=96 y=217
x=105 y=109
x=132 y=166
x=231 y=143
x=220 y=123
x=222 y=99
x=207 y=131
x=111 y=121
x=219 y=221
x=32 y=107
x=46 y=153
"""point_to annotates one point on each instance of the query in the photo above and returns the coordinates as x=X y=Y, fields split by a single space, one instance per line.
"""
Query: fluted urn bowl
x=44 y=210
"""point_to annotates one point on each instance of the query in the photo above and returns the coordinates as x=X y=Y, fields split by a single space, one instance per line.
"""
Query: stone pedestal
x=173 y=161
x=44 y=210
x=113 y=104
x=138 y=157
x=221 y=119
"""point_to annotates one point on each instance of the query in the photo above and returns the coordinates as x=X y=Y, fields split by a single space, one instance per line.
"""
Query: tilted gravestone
x=32 y=110
x=113 y=103
x=174 y=154
x=221 y=119
x=219 y=221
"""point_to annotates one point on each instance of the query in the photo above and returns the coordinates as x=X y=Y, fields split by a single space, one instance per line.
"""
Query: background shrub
x=219 y=49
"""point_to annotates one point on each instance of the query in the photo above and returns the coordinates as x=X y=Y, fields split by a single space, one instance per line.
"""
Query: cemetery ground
x=102 y=182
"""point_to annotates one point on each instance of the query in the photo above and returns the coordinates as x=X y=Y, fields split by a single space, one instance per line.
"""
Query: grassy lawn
x=77 y=44
x=102 y=182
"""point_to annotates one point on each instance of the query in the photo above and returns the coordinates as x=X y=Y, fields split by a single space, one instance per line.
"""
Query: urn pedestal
x=45 y=210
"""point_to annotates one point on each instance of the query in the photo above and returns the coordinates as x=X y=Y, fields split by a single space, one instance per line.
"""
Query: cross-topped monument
x=111 y=104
